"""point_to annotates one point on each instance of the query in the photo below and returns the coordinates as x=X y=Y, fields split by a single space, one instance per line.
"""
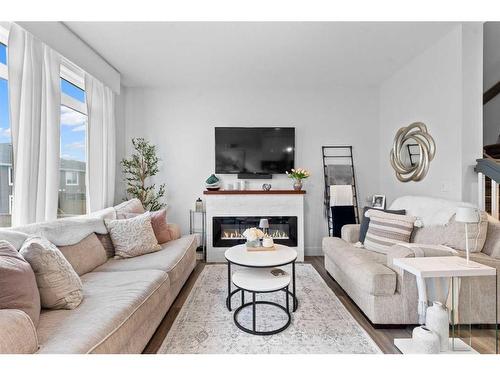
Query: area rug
x=321 y=323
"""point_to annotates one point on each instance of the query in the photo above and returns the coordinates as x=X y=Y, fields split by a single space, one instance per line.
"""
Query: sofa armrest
x=18 y=333
x=350 y=233
x=175 y=231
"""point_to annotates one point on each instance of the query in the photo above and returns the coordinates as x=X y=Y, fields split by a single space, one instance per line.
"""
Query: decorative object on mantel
x=255 y=192
x=298 y=175
x=212 y=183
x=266 y=187
x=425 y=341
x=467 y=215
x=412 y=141
x=253 y=237
x=437 y=320
x=142 y=165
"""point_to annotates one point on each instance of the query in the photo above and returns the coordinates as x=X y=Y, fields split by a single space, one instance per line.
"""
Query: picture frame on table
x=378 y=201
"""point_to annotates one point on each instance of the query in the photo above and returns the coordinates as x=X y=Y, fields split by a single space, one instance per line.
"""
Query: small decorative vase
x=425 y=341
x=255 y=243
x=297 y=185
x=437 y=320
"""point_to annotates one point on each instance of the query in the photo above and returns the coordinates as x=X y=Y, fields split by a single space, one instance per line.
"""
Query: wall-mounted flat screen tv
x=254 y=150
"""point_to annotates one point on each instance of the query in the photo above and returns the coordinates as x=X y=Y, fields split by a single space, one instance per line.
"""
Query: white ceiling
x=258 y=54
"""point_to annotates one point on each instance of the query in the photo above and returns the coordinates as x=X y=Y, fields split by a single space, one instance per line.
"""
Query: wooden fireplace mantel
x=235 y=192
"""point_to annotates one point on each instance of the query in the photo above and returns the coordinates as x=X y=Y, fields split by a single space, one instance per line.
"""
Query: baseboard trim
x=313 y=251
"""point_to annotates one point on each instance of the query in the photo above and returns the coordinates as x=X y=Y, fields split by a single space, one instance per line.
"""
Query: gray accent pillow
x=365 y=221
x=58 y=284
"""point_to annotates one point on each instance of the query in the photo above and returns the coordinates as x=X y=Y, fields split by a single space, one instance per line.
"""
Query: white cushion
x=431 y=211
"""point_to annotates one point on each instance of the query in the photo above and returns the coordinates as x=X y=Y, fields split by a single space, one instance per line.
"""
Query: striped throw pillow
x=387 y=229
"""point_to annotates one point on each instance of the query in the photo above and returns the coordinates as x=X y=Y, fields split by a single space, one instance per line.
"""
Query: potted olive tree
x=138 y=169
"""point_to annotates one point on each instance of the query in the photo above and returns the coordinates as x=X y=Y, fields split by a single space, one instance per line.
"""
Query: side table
x=194 y=229
x=453 y=267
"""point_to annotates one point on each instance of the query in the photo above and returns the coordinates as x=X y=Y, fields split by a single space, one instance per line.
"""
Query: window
x=73 y=155
x=71 y=178
x=6 y=176
x=72 y=189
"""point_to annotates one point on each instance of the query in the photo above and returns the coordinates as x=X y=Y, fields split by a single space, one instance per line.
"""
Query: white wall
x=181 y=122
x=430 y=89
x=64 y=41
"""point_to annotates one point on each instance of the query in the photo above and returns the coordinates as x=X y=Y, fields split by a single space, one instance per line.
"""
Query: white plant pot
x=437 y=320
x=425 y=341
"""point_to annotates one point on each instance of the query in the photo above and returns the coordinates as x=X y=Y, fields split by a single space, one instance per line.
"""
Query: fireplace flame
x=236 y=235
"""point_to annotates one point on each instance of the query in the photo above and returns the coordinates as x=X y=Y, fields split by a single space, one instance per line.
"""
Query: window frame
x=66 y=178
x=74 y=75
x=4 y=37
x=11 y=176
x=11 y=203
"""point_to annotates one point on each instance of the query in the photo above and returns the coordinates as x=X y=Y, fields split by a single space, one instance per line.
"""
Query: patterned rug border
x=209 y=267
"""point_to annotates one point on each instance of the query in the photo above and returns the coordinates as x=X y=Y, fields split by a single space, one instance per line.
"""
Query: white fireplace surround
x=227 y=205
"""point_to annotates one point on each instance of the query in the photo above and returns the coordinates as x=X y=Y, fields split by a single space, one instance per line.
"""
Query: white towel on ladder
x=341 y=195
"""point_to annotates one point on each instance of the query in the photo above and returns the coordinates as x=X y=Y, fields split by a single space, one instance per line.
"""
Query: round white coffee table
x=257 y=281
x=239 y=255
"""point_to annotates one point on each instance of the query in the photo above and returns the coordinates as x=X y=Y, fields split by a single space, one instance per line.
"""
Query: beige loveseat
x=384 y=293
x=124 y=299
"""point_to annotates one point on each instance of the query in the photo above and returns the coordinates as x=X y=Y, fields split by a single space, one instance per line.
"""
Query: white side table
x=453 y=267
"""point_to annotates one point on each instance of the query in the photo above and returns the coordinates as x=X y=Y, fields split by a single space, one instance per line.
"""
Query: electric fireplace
x=228 y=231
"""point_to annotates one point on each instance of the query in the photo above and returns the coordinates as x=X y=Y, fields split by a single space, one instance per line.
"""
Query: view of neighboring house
x=6 y=183
x=71 y=186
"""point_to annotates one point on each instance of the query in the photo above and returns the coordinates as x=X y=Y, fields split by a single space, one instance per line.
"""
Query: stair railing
x=488 y=167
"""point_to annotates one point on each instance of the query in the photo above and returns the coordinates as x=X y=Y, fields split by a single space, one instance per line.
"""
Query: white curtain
x=100 y=145
x=35 y=99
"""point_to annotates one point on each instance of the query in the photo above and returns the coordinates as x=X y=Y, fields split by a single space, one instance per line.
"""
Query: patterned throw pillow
x=133 y=237
x=387 y=229
x=58 y=284
x=365 y=221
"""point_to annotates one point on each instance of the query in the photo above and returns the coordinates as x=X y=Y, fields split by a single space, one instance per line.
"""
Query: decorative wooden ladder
x=338 y=153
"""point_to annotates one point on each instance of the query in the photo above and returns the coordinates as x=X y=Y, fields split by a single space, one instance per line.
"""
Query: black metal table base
x=228 y=299
x=230 y=293
x=254 y=304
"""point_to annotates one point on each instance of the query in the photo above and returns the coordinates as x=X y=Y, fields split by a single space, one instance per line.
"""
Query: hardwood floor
x=382 y=335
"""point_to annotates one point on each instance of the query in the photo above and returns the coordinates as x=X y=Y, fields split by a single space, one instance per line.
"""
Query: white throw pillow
x=59 y=285
x=133 y=237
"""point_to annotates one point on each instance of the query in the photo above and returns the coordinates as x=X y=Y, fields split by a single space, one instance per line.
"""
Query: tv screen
x=254 y=150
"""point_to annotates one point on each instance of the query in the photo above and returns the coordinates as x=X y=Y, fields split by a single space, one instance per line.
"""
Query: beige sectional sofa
x=385 y=294
x=124 y=299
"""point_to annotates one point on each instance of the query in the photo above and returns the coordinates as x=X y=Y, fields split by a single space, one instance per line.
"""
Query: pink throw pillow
x=18 y=287
x=159 y=224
